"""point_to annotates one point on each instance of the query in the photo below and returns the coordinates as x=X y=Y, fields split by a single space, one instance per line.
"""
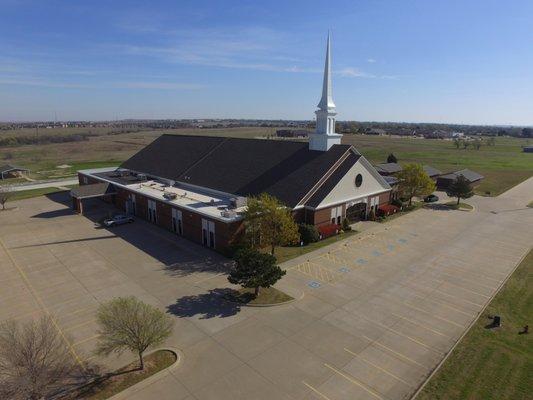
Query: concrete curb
x=267 y=305
x=152 y=379
x=441 y=363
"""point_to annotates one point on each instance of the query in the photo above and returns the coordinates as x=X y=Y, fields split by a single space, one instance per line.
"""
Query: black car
x=432 y=198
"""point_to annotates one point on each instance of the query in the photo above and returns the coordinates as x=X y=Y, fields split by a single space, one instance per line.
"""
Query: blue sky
x=468 y=61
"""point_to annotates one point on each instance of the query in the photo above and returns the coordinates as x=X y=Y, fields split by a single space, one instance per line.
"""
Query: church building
x=197 y=186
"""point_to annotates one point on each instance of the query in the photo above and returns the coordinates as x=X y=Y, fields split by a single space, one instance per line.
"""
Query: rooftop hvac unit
x=170 y=196
x=228 y=213
x=237 y=202
x=142 y=177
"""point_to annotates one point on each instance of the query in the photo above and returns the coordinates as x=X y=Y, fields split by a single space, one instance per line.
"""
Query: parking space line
x=377 y=367
x=447 y=294
x=316 y=391
x=441 y=302
x=355 y=381
x=85 y=340
x=421 y=326
x=69 y=328
x=433 y=315
x=401 y=334
x=25 y=314
x=468 y=280
x=79 y=310
x=41 y=303
x=395 y=352
x=447 y=266
x=461 y=287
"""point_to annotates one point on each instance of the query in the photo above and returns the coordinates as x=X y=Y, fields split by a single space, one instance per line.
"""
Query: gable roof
x=9 y=167
x=285 y=169
x=332 y=180
x=93 y=190
x=388 y=168
x=431 y=171
x=471 y=176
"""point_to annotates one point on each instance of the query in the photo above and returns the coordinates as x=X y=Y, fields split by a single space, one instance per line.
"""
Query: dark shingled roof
x=285 y=169
x=9 y=167
x=93 y=190
x=471 y=176
x=431 y=171
x=388 y=168
x=332 y=181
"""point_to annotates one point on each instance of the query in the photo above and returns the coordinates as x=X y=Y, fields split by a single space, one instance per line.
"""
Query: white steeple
x=325 y=136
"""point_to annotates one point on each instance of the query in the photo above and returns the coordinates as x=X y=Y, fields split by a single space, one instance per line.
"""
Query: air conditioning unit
x=170 y=195
x=228 y=214
x=142 y=177
x=237 y=202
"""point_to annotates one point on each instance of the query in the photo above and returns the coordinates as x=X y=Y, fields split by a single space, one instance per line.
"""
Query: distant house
x=386 y=169
x=433 y=173
x=444 y=181
x=12 y=171
x=527 y=149
x=292 y=133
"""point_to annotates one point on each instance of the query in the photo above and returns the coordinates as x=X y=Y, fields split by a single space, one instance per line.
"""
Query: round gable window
x=358 y=180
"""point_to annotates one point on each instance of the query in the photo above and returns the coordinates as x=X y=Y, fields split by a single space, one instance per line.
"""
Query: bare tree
x=34 y=360
x=126 y=323
x=5 y=195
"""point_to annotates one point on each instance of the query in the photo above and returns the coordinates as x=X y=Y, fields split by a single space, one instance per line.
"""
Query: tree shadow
x=438 y=207
x=212 y=304
x=63 y=212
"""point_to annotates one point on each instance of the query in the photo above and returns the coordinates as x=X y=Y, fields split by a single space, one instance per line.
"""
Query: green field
x=503 y=165
x=497 y=363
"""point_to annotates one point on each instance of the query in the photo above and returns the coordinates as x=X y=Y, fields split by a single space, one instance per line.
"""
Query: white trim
x=348 y=200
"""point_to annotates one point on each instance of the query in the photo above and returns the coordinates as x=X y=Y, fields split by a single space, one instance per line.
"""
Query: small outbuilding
x=527 y=149
x=386 y=169
x=12 y=171
x=444 y=181
x=433 y=173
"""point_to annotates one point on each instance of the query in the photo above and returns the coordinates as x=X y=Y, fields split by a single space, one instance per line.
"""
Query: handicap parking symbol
x=390 y=247
x=314 y=284
x=376 y=253
x=344 y=269
x=402 y=240
x=361 y=261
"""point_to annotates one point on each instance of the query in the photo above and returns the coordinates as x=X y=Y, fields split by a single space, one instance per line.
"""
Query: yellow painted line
x=79 y=310
x=441 y=302
x=433 y=315
x=316 y=391
x=421 y=326
x=400 y=334
x=460 y=287
x=377 y=367
x=85 y=340
x=69 y=328
x=395 y=352
x=41 y=303
x=355 y=381
x=448 y=267
x=25 y=314
x=447 y=294
x=466 y=280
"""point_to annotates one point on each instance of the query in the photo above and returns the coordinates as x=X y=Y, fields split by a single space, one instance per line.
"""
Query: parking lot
x=374 y=313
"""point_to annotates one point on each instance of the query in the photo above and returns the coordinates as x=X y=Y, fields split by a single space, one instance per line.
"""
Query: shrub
x=397 y=203
x=328 y=230
x=308 y=233
x=346 y=225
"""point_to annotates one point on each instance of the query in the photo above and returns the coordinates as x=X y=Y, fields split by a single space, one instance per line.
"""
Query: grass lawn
x=503 y=165
x=493 y=364
x=530 y=204
x=125 y=377
x=266 y=296
x=27 y=194
x=455 y=206
x=287 y=253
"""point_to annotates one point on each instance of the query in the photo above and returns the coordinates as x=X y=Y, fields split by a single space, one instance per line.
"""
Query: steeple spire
x=324 y=136
x=326 y=102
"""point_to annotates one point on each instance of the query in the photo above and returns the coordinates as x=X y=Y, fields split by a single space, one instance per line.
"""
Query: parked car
x=118 y=219
x=432 y=198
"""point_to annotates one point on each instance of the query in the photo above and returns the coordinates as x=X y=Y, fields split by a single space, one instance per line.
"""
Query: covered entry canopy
x=94 y=190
